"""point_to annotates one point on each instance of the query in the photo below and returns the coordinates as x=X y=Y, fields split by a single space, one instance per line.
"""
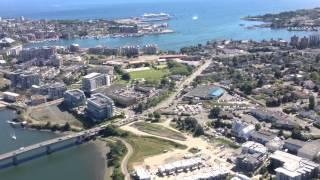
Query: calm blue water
x=85 y=162
x=218 y=19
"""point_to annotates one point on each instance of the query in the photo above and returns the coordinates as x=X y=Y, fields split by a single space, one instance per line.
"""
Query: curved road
x=125 y=160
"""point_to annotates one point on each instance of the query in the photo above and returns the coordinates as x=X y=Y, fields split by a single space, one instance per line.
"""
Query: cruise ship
x=150 y=17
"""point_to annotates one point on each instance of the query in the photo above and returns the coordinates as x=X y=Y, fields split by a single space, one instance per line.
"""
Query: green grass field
x=223 y=141
x=144 y=147
x=149 y=75
x=158 y=130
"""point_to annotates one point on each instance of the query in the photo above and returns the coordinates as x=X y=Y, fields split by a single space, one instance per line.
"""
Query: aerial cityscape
x=160 y=90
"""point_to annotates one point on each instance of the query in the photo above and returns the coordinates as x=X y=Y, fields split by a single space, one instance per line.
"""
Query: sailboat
x=13 y=136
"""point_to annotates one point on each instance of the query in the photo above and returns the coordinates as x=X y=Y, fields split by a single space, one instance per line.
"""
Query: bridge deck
x=11 y=154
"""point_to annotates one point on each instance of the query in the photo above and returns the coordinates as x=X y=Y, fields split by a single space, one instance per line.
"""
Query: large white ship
x=149 y=17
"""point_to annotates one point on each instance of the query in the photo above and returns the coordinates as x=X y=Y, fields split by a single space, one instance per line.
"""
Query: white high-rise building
x=94 y=81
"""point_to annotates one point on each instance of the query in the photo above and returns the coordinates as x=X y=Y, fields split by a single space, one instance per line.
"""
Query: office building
x=56 y=91
x=95 y=81
x=100 y=107
x=74 y=98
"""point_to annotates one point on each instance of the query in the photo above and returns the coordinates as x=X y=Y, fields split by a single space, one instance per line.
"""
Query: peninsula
x=299 y=20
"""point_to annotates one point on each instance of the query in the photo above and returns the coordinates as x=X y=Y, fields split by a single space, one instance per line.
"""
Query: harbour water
x=83 y=162
x=216 y=19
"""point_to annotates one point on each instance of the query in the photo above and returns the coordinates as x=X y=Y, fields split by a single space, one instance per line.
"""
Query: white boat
x=155 y=15
x=13 y=136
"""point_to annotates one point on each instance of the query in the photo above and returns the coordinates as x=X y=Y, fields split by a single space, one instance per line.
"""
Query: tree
x=312 y=102
x=318 y=58
x=157 y=115
x=277 y=75
x=198 y=131
x=126 y=77
x=297 y=134
x=260 y=82
x=214 y=112
x=246 y=88
x=257 y=127
x=66 y=127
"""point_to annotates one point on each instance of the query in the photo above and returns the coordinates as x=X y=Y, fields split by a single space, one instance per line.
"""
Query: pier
x=31 y=152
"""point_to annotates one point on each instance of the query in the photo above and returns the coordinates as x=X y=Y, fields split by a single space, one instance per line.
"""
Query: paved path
x=125 y=160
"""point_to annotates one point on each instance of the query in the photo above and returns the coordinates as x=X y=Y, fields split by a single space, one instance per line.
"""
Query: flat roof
x=205 y=91
x=75 y=92
x=11 y=94
x=100 y=100
x=91 y=75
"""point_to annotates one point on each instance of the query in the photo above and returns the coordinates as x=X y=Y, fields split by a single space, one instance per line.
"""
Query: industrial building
x=94 y=81
x=74 y=98
x=288 y=166
x=100 y=107
x=204 y=92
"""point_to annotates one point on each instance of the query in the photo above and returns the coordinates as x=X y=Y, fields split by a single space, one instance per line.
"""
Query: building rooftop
x=254 y=147
x=100 y=100
x=142 y=174
x=11 y=94
x=75 y=92
x=205 y=91
x=91 y=75
x=292 y=165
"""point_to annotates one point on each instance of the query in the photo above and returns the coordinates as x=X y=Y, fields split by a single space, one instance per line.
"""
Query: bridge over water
x=24 y=154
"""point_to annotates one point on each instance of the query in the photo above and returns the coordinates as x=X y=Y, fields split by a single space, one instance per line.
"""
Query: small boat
x=12 y=123
x=13 y=136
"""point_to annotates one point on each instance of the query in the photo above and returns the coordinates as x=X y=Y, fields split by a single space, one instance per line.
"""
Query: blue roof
x=216 y=92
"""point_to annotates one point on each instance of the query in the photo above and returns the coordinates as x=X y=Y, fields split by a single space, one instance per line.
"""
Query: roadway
x=125 y=160
x=49 y=142
x=180 y=87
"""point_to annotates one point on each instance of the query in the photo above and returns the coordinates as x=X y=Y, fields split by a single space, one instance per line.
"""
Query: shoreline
x=104 y=37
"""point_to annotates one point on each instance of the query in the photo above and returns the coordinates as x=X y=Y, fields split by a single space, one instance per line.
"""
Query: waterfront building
x=100 y=107
x=95 y=81
x=11 y=51
x=6 y=42
x=150 y=49
x=129 y=51
x=123 y=29
x=56 y=91
x=23 y=79
x=74 y=47
x=37 y=100
x=12 y=97
x=74 y=98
